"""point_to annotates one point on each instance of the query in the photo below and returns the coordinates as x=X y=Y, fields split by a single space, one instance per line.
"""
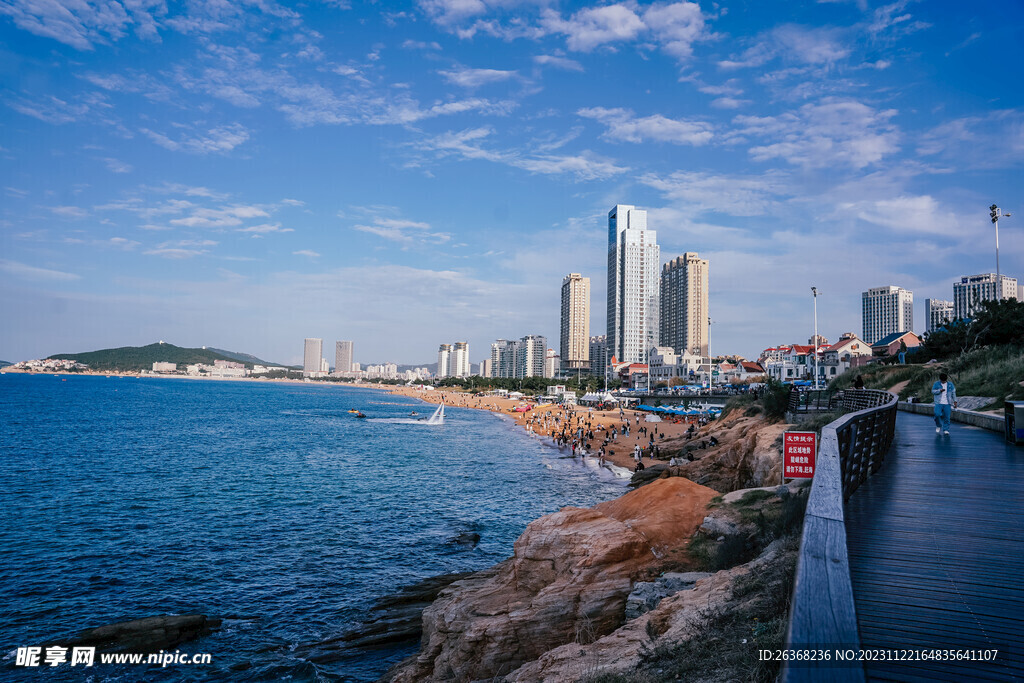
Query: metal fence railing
x=822 y=613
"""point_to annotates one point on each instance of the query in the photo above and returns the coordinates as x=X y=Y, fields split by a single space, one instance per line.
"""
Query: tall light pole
x=711 y=365
x=814 y=292
x=996 y=214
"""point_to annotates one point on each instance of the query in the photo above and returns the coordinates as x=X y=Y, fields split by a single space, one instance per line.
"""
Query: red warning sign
x=798 y=452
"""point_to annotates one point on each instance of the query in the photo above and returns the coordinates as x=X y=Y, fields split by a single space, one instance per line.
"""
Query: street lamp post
x=996 y=214
x=711 y=364
x=814 y=292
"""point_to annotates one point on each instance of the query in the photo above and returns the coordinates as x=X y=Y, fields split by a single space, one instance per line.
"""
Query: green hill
x=134 y=358
x=246 y=358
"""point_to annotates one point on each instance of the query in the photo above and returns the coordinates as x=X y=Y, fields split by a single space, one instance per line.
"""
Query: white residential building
x=503 y=358
x=444 y=361
x=665 y=364
x=937 y=313
x=343 y=356
x=552 y=363
x=574 y=349
x=974 y=289
x=886 y=310
x=634 y=262
x=312 y=353
x=529 y=354
x=460 y=359
x=485 y=367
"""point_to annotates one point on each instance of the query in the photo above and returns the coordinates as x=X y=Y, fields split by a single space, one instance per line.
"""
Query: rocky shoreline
x=588 y=592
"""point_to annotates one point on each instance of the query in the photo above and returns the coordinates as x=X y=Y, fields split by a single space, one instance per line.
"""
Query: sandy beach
x=552 y=421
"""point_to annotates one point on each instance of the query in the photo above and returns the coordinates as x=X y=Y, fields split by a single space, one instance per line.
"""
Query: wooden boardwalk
x=936 y=547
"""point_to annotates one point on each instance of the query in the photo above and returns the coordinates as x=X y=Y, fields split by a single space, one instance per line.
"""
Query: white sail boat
x=438 y=417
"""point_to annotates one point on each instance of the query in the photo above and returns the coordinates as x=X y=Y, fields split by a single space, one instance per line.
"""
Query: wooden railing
x=822 y=613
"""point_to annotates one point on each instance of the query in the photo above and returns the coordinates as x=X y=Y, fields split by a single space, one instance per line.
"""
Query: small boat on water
x=353 y=411
x=358 y=414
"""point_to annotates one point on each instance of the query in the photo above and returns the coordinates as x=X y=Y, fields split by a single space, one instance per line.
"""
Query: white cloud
x=992 y=140
x=818 y=135
x=174 y=253
x=225 y=217
x=734 y=195
x=117 y=166
x=308 y=253
x=264 y=229
x=907 y=213
x=403 y=231
x=595 y=26
x=69 y=211
x=558 y=62
x=800 y=44
x=474 y=78
x=467 y=144
x=676 y=26
x=27 y=272
x=729 y=103
x=624 y=125
x=216 y=140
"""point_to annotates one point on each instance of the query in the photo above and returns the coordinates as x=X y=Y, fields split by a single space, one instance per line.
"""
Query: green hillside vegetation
x=984 y=357
x=135 y=358
x=240 y=357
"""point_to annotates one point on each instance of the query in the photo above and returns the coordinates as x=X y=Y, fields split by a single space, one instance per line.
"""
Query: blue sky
x=245 y=174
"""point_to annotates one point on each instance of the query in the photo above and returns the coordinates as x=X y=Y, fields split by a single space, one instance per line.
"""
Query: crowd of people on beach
x=585 y=432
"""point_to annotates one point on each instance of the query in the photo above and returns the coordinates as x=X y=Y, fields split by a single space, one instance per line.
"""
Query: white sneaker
x=945 y=433
x=938 y=430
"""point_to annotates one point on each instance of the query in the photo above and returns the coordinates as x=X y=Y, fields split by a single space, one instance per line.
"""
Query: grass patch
x=995 y=371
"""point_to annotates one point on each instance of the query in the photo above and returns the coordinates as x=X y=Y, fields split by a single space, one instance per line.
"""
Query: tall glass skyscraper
x=634 y=264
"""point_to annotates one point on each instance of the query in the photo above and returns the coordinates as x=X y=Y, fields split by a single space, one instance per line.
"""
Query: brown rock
x=566 y=583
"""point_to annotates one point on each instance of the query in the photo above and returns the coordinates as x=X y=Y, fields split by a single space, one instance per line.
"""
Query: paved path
x=936 y=541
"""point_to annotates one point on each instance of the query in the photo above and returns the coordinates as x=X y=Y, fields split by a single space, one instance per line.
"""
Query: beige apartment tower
x=684 y=304
x=574 y=349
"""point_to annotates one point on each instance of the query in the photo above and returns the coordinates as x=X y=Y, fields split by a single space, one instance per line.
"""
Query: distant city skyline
x=247 y=175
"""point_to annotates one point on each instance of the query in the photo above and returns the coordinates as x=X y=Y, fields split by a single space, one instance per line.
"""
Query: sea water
x=267 y=503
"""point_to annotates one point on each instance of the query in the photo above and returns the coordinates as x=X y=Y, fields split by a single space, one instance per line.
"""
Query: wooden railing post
x=822 y=613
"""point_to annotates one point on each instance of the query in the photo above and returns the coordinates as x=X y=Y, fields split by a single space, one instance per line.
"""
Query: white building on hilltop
x=972 y=290
x=634 y=262
x=937 y=313
x=886 y=310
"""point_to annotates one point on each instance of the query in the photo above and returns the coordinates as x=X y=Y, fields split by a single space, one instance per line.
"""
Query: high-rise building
x=485 y=367
x=974 y=289
x=444 y=361
x=343 y=356
x=460 y=359
x=529 y=354
x=574 y=349
x=503 y=358
x=886 y=310
x=312 y=353
x=599 y=355
x=633 y=264
x=937 y=313
x=684 y=304
x=325 y=367
x=552 y=363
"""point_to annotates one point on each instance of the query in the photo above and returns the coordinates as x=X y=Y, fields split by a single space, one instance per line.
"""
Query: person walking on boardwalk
x=945 y=400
